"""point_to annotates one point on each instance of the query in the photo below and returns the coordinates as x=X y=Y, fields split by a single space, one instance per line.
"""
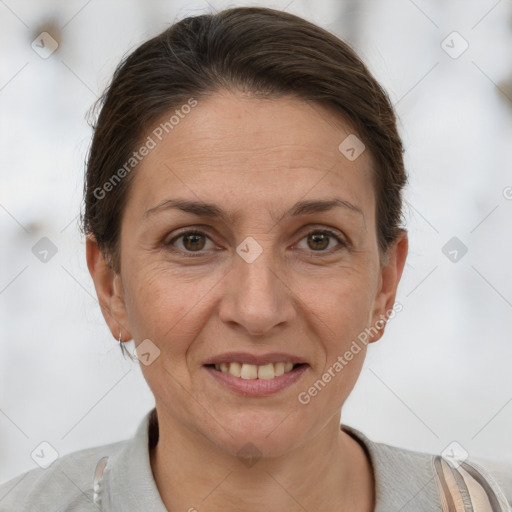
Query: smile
x=256 y=380
x=253 y=371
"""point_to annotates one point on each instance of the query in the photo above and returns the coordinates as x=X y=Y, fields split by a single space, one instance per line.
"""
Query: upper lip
x=259 y=360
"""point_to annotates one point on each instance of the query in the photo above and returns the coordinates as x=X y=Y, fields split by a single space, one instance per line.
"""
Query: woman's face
x=263 y=280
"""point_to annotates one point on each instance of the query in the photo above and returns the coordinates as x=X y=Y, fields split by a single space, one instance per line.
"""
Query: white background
x=441 y=373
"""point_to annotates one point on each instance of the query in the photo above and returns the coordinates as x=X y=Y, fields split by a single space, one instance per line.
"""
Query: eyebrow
x=203 y=209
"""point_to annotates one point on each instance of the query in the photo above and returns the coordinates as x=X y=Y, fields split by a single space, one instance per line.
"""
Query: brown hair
x=262 y=51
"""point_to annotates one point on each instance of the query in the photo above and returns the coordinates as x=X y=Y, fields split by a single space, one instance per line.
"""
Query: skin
x=254 y=158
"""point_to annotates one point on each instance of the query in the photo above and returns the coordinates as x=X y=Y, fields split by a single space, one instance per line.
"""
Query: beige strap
x=466 y=487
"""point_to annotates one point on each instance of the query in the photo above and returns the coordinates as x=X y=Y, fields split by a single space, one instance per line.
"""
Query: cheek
x=168 y=309
x=154 y=303
x=342 y=306
x=164 y=310
x=340 y=314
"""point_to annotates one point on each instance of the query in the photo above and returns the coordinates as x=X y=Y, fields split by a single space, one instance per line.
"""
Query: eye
x=318 y=240
x=192 y=241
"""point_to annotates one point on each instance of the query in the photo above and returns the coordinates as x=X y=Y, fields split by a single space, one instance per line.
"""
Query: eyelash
x=195 y=254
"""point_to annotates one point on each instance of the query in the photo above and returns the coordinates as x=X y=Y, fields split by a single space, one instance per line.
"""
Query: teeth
x=266 y=371
x=278 y=369
x=252 y=371
x=249 y=371
x=235 y=369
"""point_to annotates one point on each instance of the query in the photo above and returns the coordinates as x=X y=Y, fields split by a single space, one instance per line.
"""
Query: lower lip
x=257 y=387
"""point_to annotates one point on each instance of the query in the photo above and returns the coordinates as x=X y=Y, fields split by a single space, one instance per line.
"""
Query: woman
x=242 y=214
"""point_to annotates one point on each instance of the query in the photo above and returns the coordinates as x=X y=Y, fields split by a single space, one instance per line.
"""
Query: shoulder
x=498 y=472
x=67 y=484
x=422 y=481
x=462 y=479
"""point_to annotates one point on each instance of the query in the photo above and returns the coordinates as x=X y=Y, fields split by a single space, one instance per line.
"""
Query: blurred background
x=442 y=372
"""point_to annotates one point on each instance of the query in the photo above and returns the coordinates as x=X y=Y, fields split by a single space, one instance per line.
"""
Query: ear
x=389 y=277
x=109 y=289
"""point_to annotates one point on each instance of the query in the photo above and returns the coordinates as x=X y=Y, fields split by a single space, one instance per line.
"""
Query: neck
x=330 y=472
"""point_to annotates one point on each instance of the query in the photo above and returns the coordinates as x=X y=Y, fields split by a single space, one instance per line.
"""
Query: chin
x=267 y=434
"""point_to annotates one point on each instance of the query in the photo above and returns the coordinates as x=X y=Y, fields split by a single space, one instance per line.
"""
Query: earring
x=120 y=337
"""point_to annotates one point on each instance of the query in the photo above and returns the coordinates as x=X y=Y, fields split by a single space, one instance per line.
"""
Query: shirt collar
x=128 y=482
x=402 y=478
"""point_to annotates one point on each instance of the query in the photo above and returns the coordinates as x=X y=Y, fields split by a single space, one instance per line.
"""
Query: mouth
x=251 y=380
x=248 y=371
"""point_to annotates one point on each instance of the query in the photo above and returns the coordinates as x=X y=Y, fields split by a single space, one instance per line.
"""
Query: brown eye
x=319 y=241
x=191 y=241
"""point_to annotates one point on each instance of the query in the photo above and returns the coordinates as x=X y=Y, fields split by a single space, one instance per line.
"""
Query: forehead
x=243 y=149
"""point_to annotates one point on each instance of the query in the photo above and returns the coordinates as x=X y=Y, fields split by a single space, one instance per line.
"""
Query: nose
x=258 y=296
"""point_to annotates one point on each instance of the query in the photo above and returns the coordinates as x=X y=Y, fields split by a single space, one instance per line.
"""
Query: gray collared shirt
x=117 y=478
